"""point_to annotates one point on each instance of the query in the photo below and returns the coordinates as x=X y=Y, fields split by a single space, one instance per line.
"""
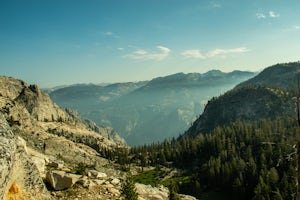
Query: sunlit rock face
x=20 y=179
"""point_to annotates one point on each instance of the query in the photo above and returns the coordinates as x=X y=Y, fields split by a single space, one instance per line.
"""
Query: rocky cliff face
x=19 y=178
x=23 y=103
x=37 y=136
x=29 y=109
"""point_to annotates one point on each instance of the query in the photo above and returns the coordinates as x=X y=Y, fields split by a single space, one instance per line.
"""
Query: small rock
x=114 y=191
x=186 y=197
x=55 y=164
x=96 y=174
x=115 y=181
x=153 y=193
x=109 y=185
x=99 y=182
x=84 y=182
x=91 y=185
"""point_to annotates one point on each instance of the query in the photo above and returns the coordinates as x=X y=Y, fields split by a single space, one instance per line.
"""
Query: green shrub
x=81 y=169
x=128 y=190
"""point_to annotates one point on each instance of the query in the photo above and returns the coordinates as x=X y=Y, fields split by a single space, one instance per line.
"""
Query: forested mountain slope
x=270 y=94
x=244 y=104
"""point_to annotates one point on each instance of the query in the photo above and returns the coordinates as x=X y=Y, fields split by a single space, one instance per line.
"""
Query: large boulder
x=60 y=180
x=147 y=192
x=19 y=177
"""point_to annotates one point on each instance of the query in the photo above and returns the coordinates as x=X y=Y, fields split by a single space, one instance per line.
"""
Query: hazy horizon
x=52 y=43
x=109 y=83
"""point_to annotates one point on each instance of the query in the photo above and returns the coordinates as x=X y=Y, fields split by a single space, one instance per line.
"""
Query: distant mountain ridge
x=103 y=93
x=199 y=79
x=149 y=111
x=52 y=89
x=270 y=94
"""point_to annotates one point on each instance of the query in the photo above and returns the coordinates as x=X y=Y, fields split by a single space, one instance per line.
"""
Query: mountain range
x=148 y=111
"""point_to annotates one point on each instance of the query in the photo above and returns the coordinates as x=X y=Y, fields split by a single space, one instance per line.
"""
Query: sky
x=62 y=42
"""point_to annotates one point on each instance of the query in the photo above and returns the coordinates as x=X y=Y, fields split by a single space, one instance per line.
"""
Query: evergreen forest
x=254 y=160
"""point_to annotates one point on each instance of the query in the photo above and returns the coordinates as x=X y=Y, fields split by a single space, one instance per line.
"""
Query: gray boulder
x=60 y=180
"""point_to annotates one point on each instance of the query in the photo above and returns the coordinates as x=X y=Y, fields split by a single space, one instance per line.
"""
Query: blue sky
x=57 y=42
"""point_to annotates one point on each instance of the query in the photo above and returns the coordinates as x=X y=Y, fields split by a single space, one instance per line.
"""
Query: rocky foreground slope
x=50 y=153
x=19 y=178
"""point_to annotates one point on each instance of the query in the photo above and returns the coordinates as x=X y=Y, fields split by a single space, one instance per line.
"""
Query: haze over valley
x=149 y=111
x=149 y=100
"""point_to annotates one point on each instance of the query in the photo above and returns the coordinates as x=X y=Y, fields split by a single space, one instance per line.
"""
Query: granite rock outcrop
x=20 y=178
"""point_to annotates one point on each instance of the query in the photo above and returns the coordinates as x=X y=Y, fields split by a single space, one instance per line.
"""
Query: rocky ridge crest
x=27 y=108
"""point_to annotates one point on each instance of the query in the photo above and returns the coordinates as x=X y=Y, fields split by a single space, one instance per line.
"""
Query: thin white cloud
x=195 y=53
x=260 y=16
x=108 y=33
x=164 y=49
x=297 y=27
x=217 y=52
x=145 y=55
x=140 y=52
x=216 y=5
x=292 y=28
x=272 y=14
x=120 y=49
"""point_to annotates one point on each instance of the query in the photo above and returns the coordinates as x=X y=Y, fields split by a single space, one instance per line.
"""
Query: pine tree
x=128 y=190
x=173 y=195
x=261 y=190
